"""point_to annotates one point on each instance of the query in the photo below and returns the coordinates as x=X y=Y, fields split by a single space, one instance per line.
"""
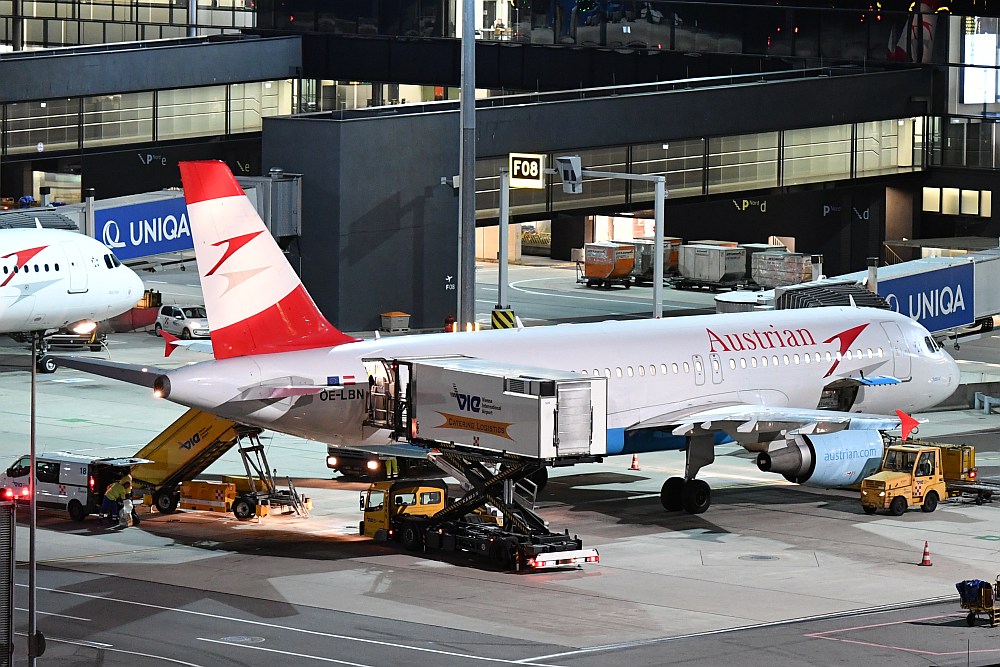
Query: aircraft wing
x=752 y=425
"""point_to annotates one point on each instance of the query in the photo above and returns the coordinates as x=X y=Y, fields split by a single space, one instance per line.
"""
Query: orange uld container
x=599 y=259
x=624 y=261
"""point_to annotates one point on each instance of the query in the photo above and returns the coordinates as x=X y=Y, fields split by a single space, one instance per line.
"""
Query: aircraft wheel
x=540 y=478
x=46 y=364
x=697 y=496
x=868 y=509
x=930 y=502
x=672 y=494
x=243 y=508
x=898 y=506
x=165 y=501
x=76 y=511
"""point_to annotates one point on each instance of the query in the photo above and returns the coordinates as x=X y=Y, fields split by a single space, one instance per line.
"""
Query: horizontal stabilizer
x=144 y=376
x=172 y=342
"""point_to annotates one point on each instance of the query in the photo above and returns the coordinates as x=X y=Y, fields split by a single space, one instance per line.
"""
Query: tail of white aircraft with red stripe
x=256 y=303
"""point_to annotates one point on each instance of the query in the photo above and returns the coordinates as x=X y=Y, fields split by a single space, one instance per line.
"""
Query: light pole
x=572 y=175
x=467 y=172
x=36 y=641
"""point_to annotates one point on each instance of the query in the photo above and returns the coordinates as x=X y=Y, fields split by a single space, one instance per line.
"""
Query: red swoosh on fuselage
x=846 y=339
x=21 y=257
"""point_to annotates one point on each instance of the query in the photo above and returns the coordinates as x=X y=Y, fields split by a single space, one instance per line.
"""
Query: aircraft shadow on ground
x=577 y=492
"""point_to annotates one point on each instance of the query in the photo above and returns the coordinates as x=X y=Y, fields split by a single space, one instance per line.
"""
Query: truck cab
x=385 y=503
x=910 y=476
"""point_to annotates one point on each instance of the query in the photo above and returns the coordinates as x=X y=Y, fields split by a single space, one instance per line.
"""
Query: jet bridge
x=490 y=409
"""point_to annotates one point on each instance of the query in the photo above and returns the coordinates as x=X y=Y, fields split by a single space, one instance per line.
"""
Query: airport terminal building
x=853 y=128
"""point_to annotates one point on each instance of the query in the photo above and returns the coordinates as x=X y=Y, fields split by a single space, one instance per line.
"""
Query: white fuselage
x=53 y=278
x=654 y=368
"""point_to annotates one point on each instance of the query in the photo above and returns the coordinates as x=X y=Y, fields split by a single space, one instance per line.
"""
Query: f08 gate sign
x=940 y=299
x=527 y=170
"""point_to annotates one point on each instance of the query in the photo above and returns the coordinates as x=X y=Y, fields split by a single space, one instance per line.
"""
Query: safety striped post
x=503 y=318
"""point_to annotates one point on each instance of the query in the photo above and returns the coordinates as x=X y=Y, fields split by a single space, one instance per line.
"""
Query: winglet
x=907 y=423
x=170 y=343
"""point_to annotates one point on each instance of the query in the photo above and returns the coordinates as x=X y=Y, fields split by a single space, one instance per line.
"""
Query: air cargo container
x=713 y=265
x=780 y=269
x=607 y=263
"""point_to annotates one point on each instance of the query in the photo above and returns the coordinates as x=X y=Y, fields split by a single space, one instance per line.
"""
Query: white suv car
x=184 y=321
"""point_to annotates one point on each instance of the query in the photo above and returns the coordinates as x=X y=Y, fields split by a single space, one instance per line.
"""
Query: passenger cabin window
x=652 y=369
x=687 y=367
x=642 y=371
x=629 y=371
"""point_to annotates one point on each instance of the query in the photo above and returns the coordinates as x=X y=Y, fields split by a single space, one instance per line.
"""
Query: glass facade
x=71 y=124
x=716 y=165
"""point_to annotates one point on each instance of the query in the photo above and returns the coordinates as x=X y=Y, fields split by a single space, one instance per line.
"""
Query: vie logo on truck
x=195 y=439
x=467 y=402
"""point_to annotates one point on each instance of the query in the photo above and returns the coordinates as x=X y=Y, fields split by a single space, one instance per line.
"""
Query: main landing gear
x=694 y=496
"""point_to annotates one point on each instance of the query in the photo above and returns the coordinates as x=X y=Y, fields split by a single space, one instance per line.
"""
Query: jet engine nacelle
x=828 y=460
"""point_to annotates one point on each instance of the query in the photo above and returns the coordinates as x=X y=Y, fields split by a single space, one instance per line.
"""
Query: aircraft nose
x=134 y=287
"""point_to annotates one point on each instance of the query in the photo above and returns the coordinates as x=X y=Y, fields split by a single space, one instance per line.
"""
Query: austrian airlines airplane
x=808 y=390
x=52 y=278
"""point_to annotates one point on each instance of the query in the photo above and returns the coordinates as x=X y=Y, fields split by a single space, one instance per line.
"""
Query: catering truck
x=419 y=515
x=495 y=428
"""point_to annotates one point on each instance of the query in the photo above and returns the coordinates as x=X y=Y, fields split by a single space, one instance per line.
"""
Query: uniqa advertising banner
x=141 y=230
x=940 y=299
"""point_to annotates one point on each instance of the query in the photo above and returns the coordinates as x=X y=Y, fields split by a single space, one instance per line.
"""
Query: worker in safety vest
x=114 y=496
x=391 y=468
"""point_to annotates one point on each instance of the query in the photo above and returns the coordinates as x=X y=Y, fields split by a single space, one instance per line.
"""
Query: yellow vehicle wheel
x=868 y=509
x=898 y=506
x=930 y=502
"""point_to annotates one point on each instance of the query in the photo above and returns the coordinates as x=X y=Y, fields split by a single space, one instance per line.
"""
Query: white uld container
x=713 y=264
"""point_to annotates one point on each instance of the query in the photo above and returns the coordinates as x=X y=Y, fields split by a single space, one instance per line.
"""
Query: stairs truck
x=192 y=443
x=921 y=475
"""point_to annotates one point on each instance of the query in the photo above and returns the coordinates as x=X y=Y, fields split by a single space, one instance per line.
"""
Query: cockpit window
x=931 y=344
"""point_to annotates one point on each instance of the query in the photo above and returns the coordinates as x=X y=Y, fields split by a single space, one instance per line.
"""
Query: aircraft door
x=716 y=362
x=699 y=369
x=76 y=267
x=899 y=350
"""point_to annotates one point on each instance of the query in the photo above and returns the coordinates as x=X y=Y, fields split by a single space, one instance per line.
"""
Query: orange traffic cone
x=635 y=462
x=927 y=555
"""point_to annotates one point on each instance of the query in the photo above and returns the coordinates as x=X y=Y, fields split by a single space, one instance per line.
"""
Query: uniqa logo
x=152 y=230
x=935 y=303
